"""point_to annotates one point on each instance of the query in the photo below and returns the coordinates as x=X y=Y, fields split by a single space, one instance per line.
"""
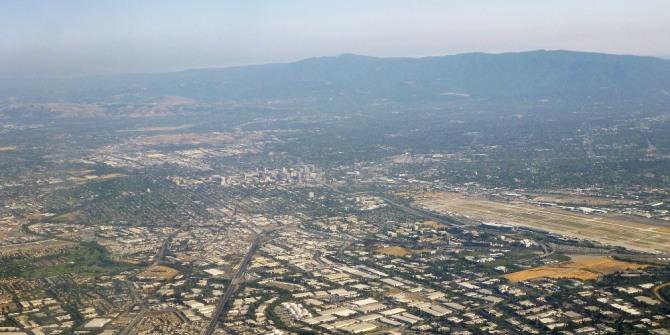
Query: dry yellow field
x=112 y=176
x=158 y=272
x=188 y=139
x=91 y=177
x=433 y=224
x=72 y=216
x=73 y=109
x=46 y=247
x=392 y=251
x=633 y=234
x=580 y=267
x=605 y=265
x=579 y=200
x=145 y=129
x=551 y=272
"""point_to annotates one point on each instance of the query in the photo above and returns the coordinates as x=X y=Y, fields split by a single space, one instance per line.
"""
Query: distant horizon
x=87 y=75
x=69 y=38
x=395 y=57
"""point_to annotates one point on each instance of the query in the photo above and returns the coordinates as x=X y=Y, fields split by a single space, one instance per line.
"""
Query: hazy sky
x=64 y=37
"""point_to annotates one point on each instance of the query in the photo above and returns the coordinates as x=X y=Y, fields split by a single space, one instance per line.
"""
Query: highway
x=418 y=212
x=233 y=284
x=166 y=243
x=140 y=314
x=133 y=292
x=407 y=209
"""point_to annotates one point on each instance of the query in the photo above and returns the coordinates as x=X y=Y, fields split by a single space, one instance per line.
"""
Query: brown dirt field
x=186 y=126
x=187 y=139
x=391 y=291
x=74 y=109
x=575 y=274
x=433 y=224
x=67 y=216
x=608 y=266
x=393 y=251
x=80 y=172
x=89 y=177
x=551 y=272
x=582 y=267
x=158 y=273
x=112 y=176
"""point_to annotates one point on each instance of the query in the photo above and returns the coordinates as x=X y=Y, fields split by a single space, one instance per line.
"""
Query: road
x=166 y=243
x=417 y=212
x=133 y=292
x=548 y=249
x=233 y=284
x=404 y=208
x=140 y=314
x=657 y=292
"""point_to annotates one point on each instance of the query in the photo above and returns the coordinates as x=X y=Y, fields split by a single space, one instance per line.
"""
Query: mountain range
x=524 y=75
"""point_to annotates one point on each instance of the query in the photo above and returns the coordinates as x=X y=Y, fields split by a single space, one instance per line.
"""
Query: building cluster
x=35 y=311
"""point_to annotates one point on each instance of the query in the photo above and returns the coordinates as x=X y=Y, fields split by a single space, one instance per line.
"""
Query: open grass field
x=633 y=234
x=579 y=267
x=53 y=258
